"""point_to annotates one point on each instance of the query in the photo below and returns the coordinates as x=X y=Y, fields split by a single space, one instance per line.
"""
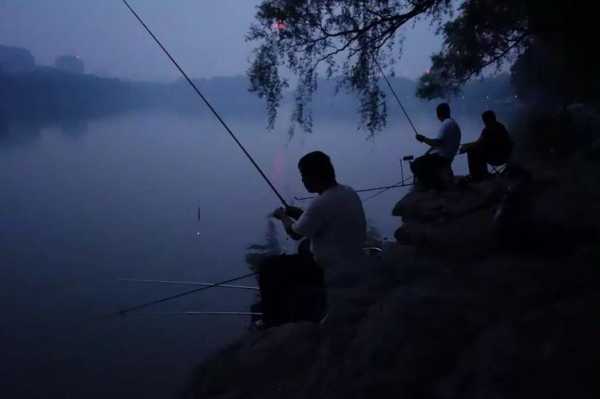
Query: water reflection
x=27 y=132
x=14 y=133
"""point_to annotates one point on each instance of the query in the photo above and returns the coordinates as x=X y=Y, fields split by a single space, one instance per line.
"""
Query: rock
x=468 y=235
x=552 y=352
x=262 y=364
x=429 y=206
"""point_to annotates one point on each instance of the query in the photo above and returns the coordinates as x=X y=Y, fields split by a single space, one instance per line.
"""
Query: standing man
x=428 y=168
x=335 y=225
x=494 y=146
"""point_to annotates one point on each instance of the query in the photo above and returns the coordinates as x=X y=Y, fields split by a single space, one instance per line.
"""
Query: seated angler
x=493 y=147
x=429 y=168
x=335 y=225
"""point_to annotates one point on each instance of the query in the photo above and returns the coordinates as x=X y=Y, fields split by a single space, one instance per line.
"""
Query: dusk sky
x=206 y=36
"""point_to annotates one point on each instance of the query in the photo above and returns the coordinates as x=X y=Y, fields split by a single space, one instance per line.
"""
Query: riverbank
x=464 y=305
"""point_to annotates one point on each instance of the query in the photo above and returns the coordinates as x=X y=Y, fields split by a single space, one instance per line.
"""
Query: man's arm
x=287 y=224
x=287 y=217
x=467 y=147
x=428 y=141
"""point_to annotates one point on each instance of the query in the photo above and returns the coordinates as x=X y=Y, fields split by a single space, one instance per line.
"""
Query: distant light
x=279 y=25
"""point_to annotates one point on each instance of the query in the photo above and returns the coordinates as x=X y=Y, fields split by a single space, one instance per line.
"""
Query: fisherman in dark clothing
x=493 y=147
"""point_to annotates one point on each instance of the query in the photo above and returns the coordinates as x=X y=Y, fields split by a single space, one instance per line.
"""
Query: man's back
x=335 y=223
x=496 y=141
x=449 y=133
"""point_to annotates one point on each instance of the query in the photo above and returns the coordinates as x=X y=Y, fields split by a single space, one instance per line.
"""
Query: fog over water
x=206 y=36
x=87 y=203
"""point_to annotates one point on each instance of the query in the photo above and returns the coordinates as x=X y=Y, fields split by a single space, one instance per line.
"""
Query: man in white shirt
x=334 y=222
x=335 y=226
x=428 y=168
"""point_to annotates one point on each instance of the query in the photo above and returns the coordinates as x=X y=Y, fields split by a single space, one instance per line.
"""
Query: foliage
x=345 y=38
x=551 y=42
x=485 y=33
x=350 y=39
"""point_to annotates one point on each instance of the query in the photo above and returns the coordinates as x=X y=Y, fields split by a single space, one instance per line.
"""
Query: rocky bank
x=479 y=297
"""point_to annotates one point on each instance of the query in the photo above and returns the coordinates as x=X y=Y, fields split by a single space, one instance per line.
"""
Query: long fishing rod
x=157 y=301
x=194 y=313
x=395 y=95
x=215 y=113
x=384 y=190
x=364 y=190
x=172 y=282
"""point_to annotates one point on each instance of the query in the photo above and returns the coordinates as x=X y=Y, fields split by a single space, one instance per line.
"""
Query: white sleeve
x=443 y=132
x=311 y=221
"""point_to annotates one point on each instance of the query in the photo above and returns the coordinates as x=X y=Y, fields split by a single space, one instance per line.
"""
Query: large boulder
x=459 y=221
x=431 y=205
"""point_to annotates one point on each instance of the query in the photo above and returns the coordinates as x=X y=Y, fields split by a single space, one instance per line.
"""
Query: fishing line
x=179 y=282
x=383 y=190
x=123 y=312
x=395 y=95
x=363 y=190
x=194 y=313
x=210 y=107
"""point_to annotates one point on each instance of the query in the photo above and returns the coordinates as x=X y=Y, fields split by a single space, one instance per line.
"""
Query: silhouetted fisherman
x=334 y=231
x=493 y=147
x=430 y=168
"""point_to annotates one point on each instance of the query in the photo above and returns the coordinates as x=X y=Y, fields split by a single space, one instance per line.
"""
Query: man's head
x=443 y=111
x=317 y=172
x=488 y=117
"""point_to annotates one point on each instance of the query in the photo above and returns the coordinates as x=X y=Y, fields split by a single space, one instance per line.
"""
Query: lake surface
x=152 y=195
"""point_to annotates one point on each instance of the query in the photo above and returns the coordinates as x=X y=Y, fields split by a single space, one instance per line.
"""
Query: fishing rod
x=399 y=184
x=364 y=190
x=172 y=282
x=208 y=104
x=123 y=312
x=395 y=95
x=194 y=313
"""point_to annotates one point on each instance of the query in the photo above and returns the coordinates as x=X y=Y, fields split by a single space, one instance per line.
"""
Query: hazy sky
x=206 y=36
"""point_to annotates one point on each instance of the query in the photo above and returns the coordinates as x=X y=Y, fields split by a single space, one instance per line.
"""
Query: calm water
x=87 y=203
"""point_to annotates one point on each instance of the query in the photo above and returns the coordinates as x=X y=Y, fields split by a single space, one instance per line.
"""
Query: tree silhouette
x=350 y=39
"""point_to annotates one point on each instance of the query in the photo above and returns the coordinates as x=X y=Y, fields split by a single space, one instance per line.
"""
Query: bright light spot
x=279 y=25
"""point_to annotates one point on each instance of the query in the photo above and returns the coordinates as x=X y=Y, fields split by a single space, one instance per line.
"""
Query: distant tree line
x=48 y=93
